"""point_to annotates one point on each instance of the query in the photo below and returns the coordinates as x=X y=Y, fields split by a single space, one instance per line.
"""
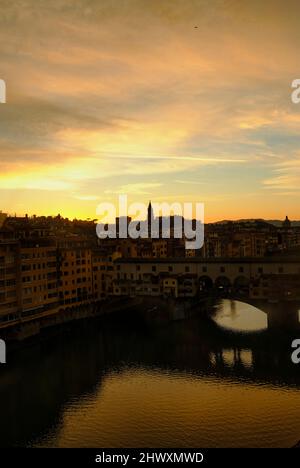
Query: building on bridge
x=193 y=276
x=277 y=287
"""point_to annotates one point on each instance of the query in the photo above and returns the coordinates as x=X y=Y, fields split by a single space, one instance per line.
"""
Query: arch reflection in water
x=239 y=316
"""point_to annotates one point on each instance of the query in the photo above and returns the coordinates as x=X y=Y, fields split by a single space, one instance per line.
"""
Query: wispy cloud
x=286 y=176
x=86 y=197
x=141 y=188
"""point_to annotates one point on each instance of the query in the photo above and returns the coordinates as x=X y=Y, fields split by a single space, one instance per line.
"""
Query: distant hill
x=279 y=223
x=275 y=222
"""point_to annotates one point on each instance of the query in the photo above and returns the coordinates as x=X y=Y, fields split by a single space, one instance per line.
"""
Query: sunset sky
x=168 y=100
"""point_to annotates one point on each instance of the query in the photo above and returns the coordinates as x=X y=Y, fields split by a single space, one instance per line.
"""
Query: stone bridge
x=156 y=275
x=272 y=283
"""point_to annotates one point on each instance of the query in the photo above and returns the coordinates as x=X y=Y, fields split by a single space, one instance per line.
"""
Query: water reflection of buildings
x=44 y=377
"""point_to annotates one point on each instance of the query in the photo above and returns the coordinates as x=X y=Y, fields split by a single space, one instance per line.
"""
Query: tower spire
x=150 y=218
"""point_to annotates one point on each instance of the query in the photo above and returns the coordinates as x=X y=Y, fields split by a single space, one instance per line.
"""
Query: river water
x=119 y=382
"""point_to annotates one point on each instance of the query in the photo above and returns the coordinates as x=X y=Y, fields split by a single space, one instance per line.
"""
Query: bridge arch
x=223 y=283
x=205 y=283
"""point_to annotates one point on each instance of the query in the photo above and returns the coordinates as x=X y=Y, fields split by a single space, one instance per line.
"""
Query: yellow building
x=102 y=276
x=38 y=278
x=170 y=286
x=159 y=248
x=9 y=281
x=75 y=273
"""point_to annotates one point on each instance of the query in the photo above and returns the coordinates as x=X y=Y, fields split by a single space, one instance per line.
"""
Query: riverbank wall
x=28 y=327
